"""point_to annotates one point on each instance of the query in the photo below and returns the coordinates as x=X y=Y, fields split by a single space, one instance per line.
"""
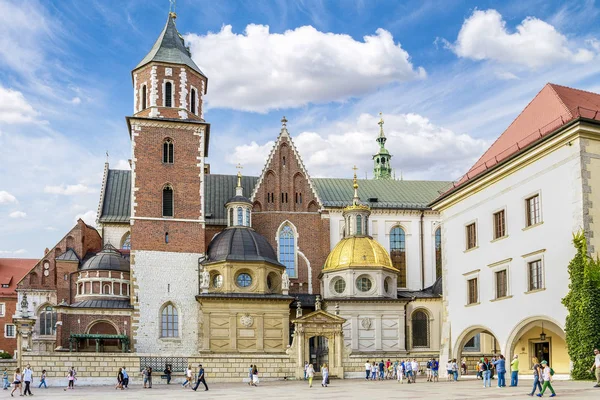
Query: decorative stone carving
x=366 y=323
x=246 y=320
x=205 y=281
x=285 y=282
x=298 y=309
x=317 y=303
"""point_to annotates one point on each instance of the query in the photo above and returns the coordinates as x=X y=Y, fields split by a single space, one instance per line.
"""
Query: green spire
x=382 y=168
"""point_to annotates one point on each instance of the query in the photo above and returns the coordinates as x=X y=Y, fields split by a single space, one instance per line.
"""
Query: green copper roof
x=389 y=193
x=117 y=197
x=170 y=48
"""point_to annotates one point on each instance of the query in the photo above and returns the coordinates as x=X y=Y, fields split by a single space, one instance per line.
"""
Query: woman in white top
x=325 y=373
x=310 y=372
x=373 y=371
x=17 y=381
x=399 y=372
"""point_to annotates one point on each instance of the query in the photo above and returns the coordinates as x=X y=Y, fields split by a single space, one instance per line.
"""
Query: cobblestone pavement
x=339 y=389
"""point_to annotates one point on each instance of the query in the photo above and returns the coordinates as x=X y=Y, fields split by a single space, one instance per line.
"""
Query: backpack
x=551 y=372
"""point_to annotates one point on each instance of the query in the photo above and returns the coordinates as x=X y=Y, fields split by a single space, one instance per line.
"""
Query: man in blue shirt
x=435 y=366
x=200 y=378
x=125 y=378
x=500 y=365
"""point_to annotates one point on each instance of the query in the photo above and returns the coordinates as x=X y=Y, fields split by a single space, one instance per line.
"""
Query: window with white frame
x=10 y=331
x=473 y=291
x=169 y=321
x=47 y=321
x=287 y=250
x=532 y=210
x=499 y=224
x=168 y=95
x=471 y=235
x=535 y=275
x=2 y=309
x=501 y=278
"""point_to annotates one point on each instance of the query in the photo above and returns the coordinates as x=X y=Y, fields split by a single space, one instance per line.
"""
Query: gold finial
x=355 y=185
x=239 y=174
x=380 y=123
x=284 y=122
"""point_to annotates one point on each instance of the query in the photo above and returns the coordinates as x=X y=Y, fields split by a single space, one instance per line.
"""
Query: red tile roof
x=11 y=272
x=553 y=107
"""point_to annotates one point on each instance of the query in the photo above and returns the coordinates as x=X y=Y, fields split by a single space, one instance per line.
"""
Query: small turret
x=382 y=168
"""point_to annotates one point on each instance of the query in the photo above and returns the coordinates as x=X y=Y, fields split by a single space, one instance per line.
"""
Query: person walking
x=514 y=371
x=310 y=373
x=125 y=378
x=188 y=377
x=373 y=371
x=415 y=368
x=325 y=373
x=43 y=380
x=250 y=370
x=486 y=369
x=367 y=370
x=167 y=373
x=201 y=378
x=435 y=370
x=547 y=375
x=596 y=365
x=409 y=371
x=71 y=379
x=27 y=378
x=305 y=370
x=428 y=368
x=149 y=377
x=6 y=383
x=400 y=372
x=463 y=366
x=449 y=374
x=74 y=376
x=145 y=377
x=119 y=379
x=500 y=365
x=381 y=370
x=17 y=379
x=255 y=379
x=454 y=370
x=479 y=370
x=537 y=375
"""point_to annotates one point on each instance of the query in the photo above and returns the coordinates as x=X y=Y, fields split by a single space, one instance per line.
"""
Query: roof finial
x=172 y=5
x=355 y=184
x=238 y=189
x=107 y=156
x=284 y=122
x=380 y=123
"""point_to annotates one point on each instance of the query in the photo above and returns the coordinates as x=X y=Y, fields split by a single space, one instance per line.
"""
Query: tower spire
x=356 y=199
x=239 y=190
x=382 y=168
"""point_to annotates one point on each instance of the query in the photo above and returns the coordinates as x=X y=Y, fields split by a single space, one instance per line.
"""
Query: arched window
x=169 y=322
x=168 y=94
x=240 y=215
x=287 y=249
x=420 y=329
x=126 y=245
x=247 y=217
x=398 y=253
x=231 y=217
x=193 y=101
x=359 y=225
x=167 y=201
x=438 y=253
x=144 y=97
x=168 y=151
x=47 y=321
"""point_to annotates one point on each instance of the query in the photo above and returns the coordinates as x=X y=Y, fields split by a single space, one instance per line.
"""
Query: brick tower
x=169 y=142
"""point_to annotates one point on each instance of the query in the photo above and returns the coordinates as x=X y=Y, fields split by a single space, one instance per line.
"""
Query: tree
x=583 y=305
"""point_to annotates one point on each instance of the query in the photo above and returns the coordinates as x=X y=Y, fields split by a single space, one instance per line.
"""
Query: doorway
x=541 y=350
x=319 y=352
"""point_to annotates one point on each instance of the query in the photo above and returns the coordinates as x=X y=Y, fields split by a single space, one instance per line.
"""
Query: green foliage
x=583 y=302
x=5 y=355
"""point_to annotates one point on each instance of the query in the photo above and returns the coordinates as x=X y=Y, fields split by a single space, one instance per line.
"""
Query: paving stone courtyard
x=346 y=389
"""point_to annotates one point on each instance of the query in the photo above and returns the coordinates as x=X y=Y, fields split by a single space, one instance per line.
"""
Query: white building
x=507 y=230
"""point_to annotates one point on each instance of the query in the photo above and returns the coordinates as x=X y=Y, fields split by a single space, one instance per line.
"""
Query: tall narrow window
x=193 y=101
x=126 y=242
x=398 y=253
x=359 y=225
x=420 y=329
x=501 y=284
x=472 y=293
x=240 y=216
x=287 y=250
x=471 y=233
x=167 y=201
x=231 y=217
x=247 y=217
x=535 y=275
x=47 y=321
x=168 y=94
x=144 y=97
x=169 y=322
x=438 y=253
x=532 y=206
x=168 y=151
x=499 y=225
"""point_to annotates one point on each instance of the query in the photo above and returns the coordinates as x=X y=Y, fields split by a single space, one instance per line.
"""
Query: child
x=5 y=377
x=43 y=380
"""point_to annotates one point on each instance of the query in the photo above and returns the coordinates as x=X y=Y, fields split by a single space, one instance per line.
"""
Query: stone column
x=339 y=349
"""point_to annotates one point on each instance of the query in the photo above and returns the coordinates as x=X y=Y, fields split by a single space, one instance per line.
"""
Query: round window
x=244 y=280
x=217 y=281
x=339 y=286
x=364 y=284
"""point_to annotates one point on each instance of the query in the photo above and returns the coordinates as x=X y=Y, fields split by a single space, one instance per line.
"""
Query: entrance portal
x=319 y=352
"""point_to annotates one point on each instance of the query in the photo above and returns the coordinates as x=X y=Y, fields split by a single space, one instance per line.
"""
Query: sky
x=448 y=76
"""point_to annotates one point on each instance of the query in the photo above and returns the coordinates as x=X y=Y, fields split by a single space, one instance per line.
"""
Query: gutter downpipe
x=422 y=252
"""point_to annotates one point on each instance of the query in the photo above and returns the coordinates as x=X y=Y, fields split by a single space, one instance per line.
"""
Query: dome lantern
x=239 y=207
x=356 y=215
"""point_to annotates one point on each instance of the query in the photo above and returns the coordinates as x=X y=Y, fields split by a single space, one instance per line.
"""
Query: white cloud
x=13 y=252
x=17 y=214
x=50 y=228
x=6 y=197
x=69 y=190
x=260 y=71
x=89 y=217
x=122 y=164
x=535 y=43
x=505 y=75
x=14 y=108
x=420 y=149
x=76 y=100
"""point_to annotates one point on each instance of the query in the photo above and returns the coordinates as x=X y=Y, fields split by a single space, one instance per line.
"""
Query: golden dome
x=358 y=252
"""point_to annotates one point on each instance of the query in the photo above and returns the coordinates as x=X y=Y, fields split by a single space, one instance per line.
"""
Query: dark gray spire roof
x=170 y=48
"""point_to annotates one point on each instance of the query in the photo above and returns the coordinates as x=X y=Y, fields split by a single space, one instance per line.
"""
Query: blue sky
x=449 y=76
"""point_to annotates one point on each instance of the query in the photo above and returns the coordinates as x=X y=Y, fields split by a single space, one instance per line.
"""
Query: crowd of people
x=401 y=370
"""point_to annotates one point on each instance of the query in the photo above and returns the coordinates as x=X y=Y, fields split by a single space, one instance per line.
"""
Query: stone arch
x=70 y=242
x=95 y=323
x=469 y=333
x=104 y=327
x=416 y=319
x=257 y=207
x=312 y=206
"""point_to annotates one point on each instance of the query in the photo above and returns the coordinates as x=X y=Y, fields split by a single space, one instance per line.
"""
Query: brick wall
x=8 y=345
x=73 y=323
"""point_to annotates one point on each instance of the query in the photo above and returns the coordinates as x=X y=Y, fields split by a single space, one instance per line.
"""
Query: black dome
x=107 y=259
x=238 y=199
x=240 y=244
